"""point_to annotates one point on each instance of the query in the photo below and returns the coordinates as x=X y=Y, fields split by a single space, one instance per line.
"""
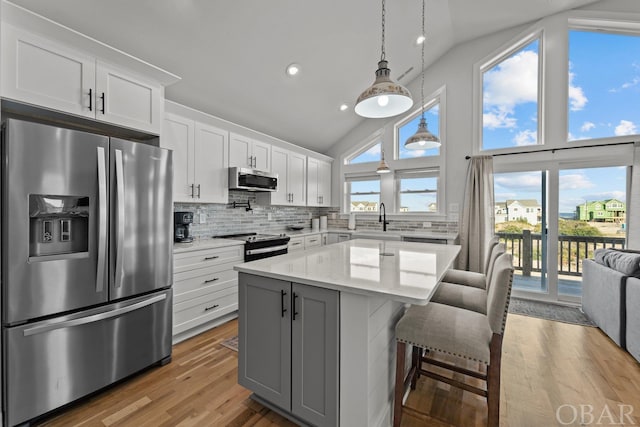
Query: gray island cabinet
x=289 y=338
x=317 y=327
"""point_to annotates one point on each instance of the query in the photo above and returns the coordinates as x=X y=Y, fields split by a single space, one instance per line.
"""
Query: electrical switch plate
x=269 y=216
x=203 y=218
x=426 y=224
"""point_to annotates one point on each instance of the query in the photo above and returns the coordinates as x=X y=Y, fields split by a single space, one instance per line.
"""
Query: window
x=407 y=128
x=604 y=84
x=363 y=194
x=370 y=153
x=417 y=191
x=510 y=98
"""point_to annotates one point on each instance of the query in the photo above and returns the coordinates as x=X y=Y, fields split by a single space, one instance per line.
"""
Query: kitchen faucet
x=383 y=217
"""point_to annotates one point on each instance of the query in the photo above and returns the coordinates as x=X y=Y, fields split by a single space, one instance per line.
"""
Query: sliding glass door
x=521 y=223
x=583 y=207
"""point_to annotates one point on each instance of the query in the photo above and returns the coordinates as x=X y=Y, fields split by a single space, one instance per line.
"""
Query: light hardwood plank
x=545 y=365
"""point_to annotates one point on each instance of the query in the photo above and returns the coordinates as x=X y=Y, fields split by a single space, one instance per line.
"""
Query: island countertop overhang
x=401 y=271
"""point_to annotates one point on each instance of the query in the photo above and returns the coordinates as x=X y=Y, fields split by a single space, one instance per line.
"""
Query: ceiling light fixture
x=382 y=166
x=421 y=38
x=384 y=98
x=422 y=139
x=344 y=107
x=293 y=69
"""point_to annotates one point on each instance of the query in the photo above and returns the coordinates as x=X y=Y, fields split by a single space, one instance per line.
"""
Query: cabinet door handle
x=198 y=190
x=90 y=99
x=211 y=280
x=212 y=307
x=295 y=313
x=209 y=258
x=255 y=162
x=103 y=102
x=282 y=295
x=193 y=187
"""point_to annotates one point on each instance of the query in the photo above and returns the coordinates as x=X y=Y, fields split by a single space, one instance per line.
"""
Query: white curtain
x=476 y=223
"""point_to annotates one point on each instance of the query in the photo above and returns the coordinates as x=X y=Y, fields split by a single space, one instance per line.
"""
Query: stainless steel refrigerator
x=86 y=264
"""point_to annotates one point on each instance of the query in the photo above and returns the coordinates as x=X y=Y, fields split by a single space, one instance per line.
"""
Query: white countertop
x=207 y=243
x=369 y=232
x=411 y=274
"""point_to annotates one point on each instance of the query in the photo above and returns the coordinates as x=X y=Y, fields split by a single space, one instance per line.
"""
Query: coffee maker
x=182 y=227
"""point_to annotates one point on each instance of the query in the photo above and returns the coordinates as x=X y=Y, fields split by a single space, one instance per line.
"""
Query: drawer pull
x=211 y=280
x=296 y=243
x=211 y=308
x=209 y=258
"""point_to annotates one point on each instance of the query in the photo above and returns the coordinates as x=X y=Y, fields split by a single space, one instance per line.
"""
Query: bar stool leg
x=399 y=390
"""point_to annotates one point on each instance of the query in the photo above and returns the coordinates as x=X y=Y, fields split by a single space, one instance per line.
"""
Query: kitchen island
x=317 y=327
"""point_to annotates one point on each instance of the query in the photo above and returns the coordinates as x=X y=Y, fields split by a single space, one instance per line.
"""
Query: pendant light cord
x=382 y=57
x=423 y=42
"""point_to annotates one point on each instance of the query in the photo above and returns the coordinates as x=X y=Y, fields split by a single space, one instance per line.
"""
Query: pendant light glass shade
x=422 y=139
x=384 y=98
x=382 y=166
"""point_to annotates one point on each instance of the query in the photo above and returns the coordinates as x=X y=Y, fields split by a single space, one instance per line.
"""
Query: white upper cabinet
x=200 y=167
x=126 y=100
x=318 y=182
x=52 y=75
x=249 y=153
x=291 y=168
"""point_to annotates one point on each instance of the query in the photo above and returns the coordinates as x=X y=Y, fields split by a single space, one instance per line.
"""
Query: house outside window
x=417 y=191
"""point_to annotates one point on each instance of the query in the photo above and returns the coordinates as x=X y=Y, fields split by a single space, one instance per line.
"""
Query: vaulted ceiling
x=232 y=55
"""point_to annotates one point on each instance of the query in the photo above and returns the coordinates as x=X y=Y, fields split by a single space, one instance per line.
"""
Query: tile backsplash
x=225 y=219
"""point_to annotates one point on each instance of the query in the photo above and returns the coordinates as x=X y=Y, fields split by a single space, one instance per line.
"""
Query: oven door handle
x=266 y=250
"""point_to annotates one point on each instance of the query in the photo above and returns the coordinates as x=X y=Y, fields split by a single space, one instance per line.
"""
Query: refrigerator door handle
x=94 y=317
x=102 y=218
x=120 y=228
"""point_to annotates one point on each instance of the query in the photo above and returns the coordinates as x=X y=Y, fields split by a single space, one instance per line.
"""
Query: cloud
x=498 y=119
x=521 y=182
x=576 y=181
x=626 y=128
x=526 y=137
x=513 y=81
x=376 y=149
x=626 y=85
x=587 y=126
x=606 y=195
x=577 y=98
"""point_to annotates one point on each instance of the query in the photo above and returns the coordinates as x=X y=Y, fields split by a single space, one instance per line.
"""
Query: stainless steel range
x=258 y=246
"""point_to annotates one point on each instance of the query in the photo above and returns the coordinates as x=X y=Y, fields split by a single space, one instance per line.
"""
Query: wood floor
x=549 y=369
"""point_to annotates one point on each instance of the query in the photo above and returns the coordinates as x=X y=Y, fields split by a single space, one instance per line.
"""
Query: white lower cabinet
x=289 y=339
x=205 y=289
x=296 y=244
x=337 y=237
x=312 y=241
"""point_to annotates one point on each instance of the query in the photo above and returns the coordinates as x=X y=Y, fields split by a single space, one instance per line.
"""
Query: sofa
x=611 y=295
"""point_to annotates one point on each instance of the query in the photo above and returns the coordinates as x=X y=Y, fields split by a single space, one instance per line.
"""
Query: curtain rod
x=553 y=150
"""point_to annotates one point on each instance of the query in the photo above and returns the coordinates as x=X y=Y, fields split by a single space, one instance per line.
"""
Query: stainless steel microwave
x=252 y=180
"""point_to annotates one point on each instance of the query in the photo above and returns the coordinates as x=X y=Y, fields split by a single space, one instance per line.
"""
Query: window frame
x=437 y=97
x=490 y=61
x=368 y=143
x=348 y=194
x=432 y=172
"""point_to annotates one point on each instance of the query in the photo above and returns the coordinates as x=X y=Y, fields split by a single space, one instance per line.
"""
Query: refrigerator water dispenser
x=59 y=226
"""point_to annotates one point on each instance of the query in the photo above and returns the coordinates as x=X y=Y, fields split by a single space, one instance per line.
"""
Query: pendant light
x=382 y=166
x=384 y=98
x=422 y=139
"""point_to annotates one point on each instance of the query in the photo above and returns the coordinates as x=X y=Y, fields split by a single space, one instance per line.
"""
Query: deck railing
x=526 y=250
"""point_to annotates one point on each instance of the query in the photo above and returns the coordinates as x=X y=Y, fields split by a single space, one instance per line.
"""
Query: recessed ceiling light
x=421 y=38
x=293 y=69
x=343 y=107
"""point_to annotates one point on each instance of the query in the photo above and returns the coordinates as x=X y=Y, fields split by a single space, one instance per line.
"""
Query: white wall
x=455 y=70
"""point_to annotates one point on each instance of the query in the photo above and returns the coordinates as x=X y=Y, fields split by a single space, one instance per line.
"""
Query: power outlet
x=203 y=218
x=268 y=216
x=426 y=224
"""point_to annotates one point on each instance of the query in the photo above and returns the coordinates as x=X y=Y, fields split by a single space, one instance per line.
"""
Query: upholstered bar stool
x=469 y=297
x=465 y=334
x=472 y=278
